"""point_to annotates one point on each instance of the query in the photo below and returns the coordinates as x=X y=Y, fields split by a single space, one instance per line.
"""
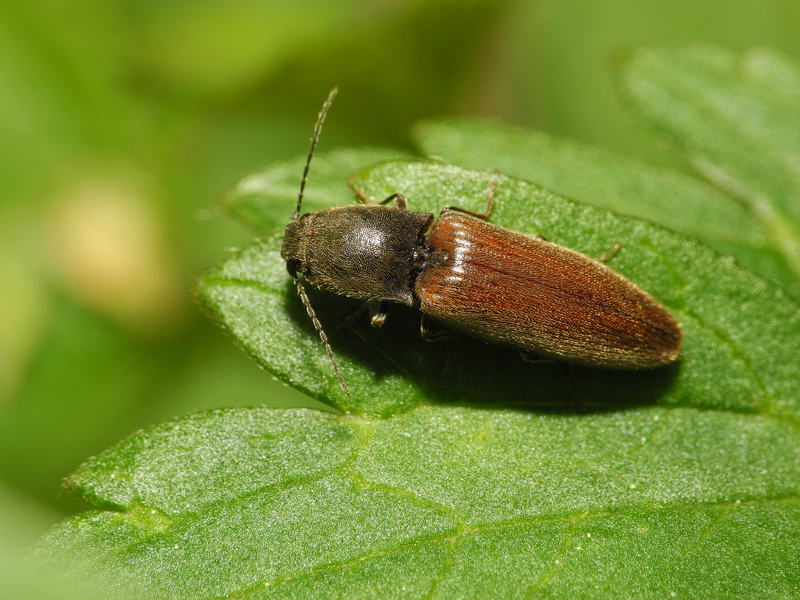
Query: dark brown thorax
x=366 y=252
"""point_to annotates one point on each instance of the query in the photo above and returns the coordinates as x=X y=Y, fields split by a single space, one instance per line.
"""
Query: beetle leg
x=614 y=249
x=564 y=368
x=357 y=314
x=425 y=330
x=425 y=327
x=351 y=183
x=534 y=359
x=378 y=312
x=485 y=214
x=427 y=333
x=578 y=404
x=363 y=196
x=399 y=201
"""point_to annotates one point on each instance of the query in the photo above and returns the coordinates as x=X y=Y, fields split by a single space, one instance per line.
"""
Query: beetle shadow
x=471 y=372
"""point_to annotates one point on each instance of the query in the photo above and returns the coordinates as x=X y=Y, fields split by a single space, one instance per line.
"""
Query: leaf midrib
x=725 y=507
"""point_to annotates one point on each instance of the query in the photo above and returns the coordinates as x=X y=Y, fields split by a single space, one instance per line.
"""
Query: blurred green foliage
x=123 y=121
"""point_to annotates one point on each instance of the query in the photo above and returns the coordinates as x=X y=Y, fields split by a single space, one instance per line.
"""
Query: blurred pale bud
x=107 y=245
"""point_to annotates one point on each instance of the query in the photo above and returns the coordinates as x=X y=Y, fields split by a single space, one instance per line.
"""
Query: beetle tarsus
x=428 y=334
x=489 y=206
x=378 y=312
x=611 y=252
x=399 y=201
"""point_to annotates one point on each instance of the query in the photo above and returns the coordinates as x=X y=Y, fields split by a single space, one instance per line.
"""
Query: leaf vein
x=550 y=573
x=463 y=533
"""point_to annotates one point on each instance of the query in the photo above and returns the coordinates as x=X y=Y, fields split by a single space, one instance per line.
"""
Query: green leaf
x=737 y=118
x=740 y=332
x=80 y=392
x=613 y=182
x=262 y=200
x=441 y=502
x=468 y=484
x=22 y=523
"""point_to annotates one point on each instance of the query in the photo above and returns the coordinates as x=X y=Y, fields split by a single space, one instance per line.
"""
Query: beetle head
x=295 y=240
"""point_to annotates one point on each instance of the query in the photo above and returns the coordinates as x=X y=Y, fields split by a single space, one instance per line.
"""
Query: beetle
x=487 y=281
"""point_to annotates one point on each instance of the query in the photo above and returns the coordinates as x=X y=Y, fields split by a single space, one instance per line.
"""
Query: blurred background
x=122 y=122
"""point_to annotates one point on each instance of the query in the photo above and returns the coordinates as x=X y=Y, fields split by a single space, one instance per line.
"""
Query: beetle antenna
x=314 y=139
x=318 y=327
